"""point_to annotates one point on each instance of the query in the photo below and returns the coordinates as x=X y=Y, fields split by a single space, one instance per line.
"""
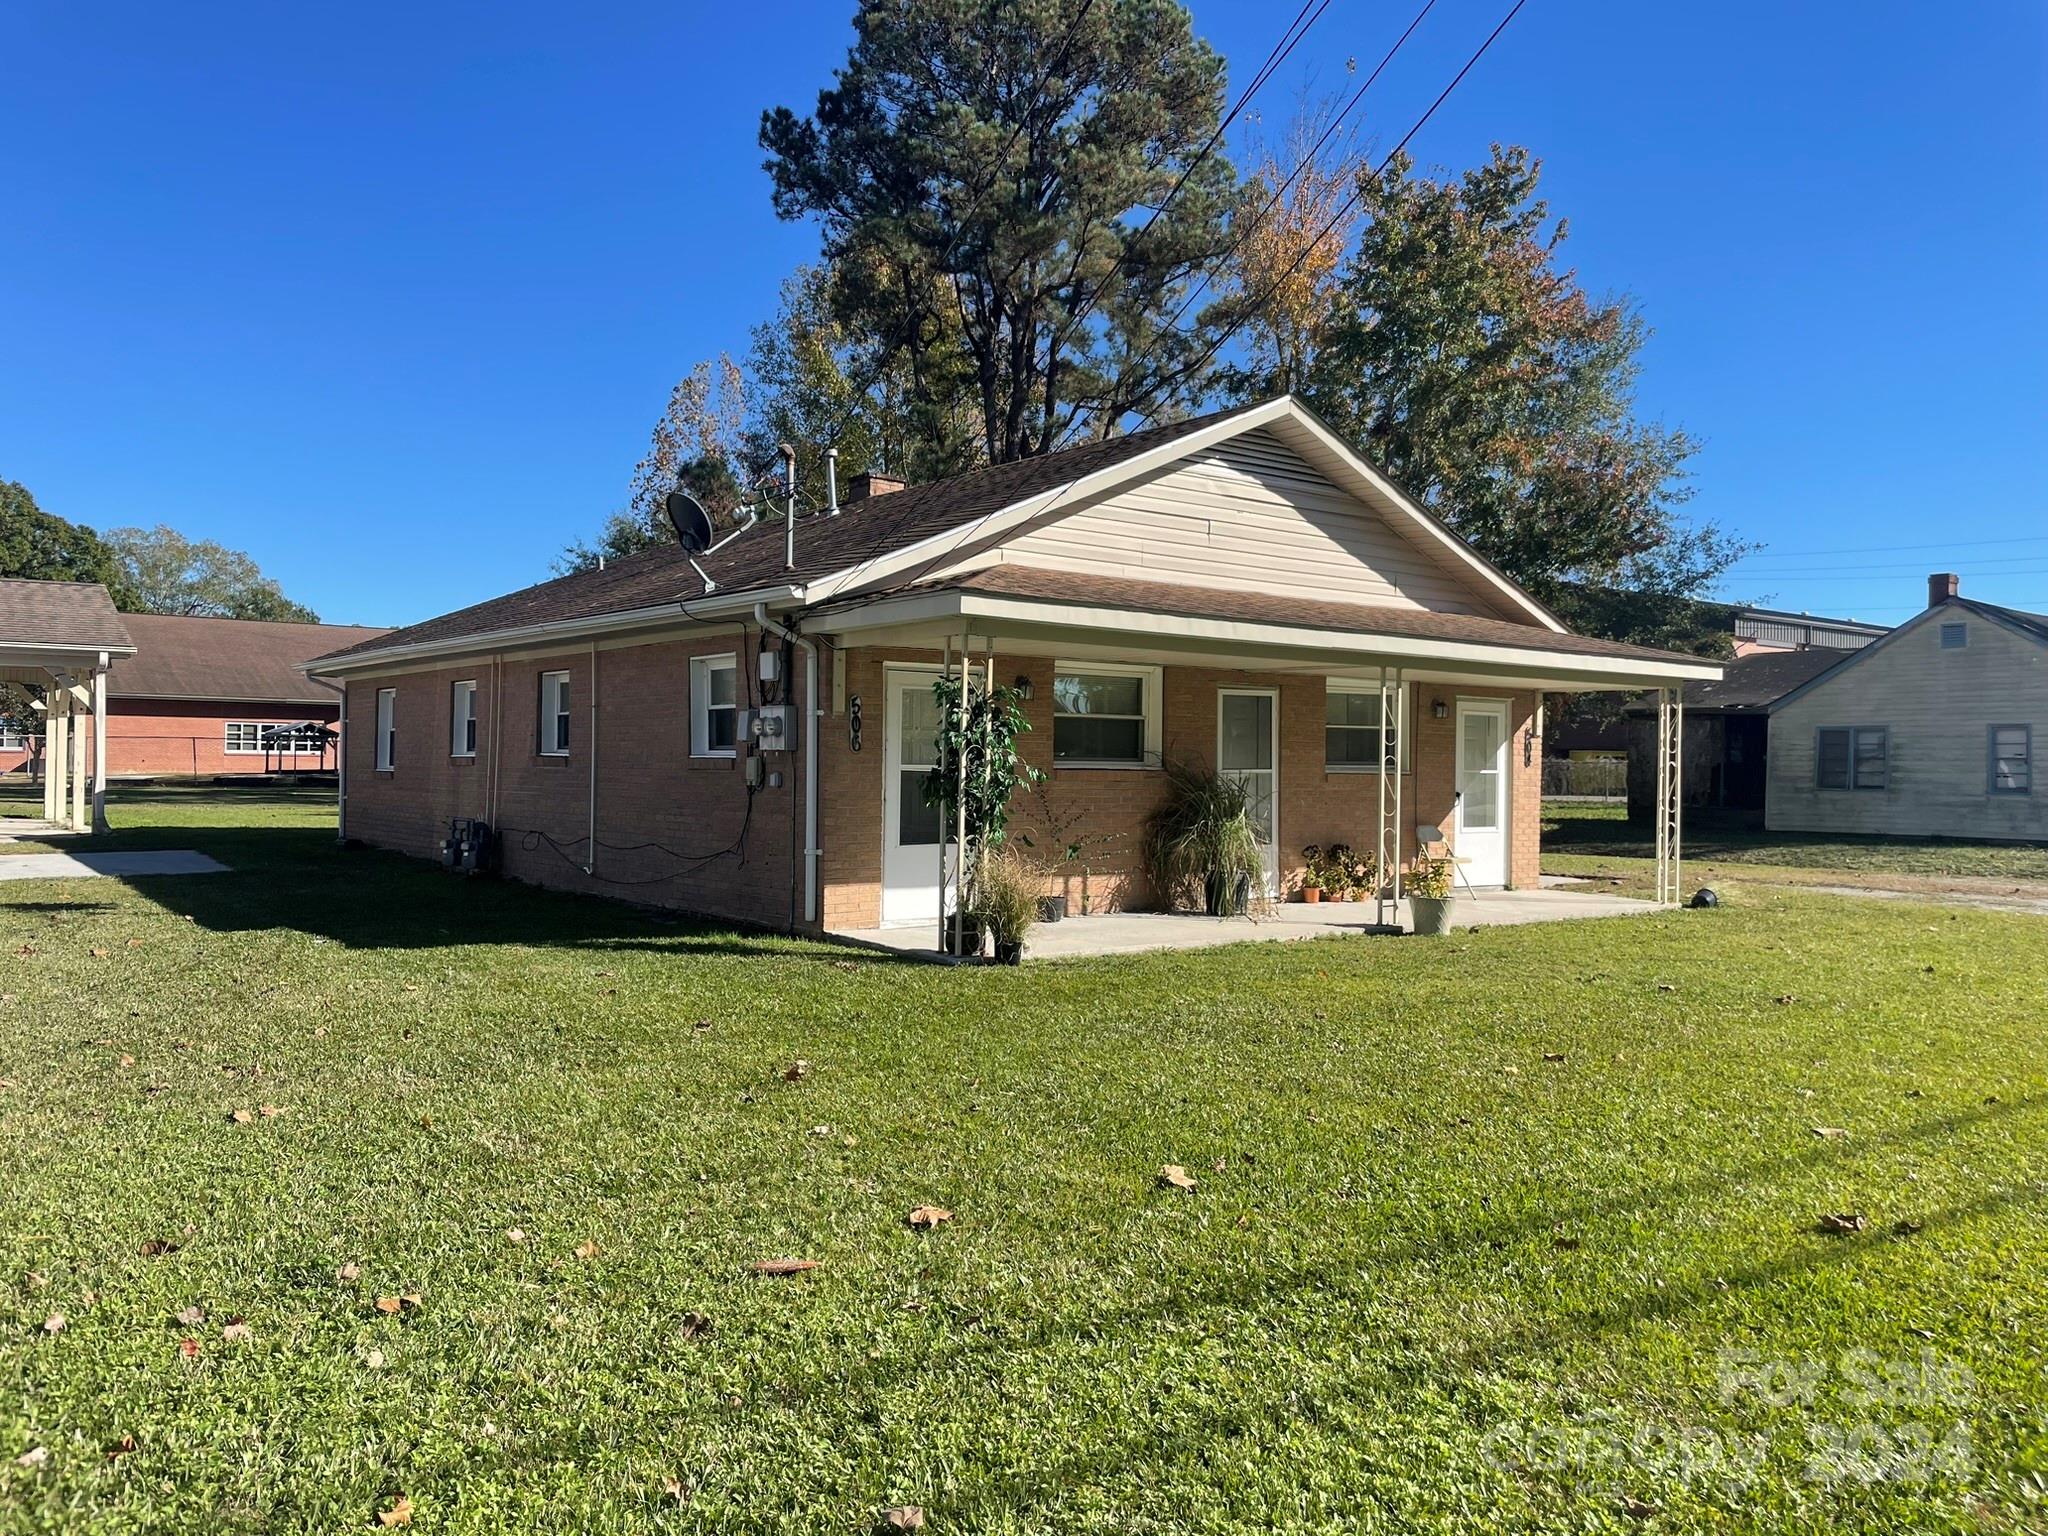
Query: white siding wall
x=1937 y=706
x=1250 y=515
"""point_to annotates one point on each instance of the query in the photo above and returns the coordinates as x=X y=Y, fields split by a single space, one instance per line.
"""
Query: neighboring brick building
x=1240 y=590
x=204 y=697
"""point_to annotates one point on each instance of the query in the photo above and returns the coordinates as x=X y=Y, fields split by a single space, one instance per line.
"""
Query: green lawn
x=1430 y=1280
x=1579 y=829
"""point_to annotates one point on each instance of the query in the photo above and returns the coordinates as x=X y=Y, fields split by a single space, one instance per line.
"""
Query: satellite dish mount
x=693 y=528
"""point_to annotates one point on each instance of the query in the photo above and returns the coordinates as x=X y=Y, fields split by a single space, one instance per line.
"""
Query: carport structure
x=61 y=637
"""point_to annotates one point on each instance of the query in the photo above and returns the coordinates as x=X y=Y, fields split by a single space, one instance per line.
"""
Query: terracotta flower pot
x=1311 y=894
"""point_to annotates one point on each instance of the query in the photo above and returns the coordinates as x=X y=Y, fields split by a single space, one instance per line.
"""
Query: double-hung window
x=1105 y=715
x=714 y=705
x=462 y=720
x=1351 y=727
x=244 y=736
x=387 y=729
x=1851 y=757
x=2012 y=759
x=554 y=714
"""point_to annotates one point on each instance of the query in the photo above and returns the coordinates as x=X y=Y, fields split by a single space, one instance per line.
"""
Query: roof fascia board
x=32 y=648
x=683 y=612
x=1984 y=611
x=968 y=606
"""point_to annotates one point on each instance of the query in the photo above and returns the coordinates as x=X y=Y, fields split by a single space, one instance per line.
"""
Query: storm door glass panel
x=1479 y=772
x=916 y=822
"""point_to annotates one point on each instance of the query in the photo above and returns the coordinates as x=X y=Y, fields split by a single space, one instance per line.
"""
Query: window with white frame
x=387 y=729
x=462 y=720
x=1851 y=757
x=2012 y=759
x=554 y=714
x=714 y=705
x=1105 y=715
x=1351 y=726
x=245 y=736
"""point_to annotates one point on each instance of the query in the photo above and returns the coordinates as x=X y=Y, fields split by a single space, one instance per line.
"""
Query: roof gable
x=2029 y=626
x=250 y=660
x=60 y=615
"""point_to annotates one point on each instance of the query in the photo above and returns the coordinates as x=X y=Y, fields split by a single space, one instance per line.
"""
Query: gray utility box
x=771 y=728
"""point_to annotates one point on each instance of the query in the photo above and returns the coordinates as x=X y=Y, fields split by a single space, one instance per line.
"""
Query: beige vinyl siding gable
x=1251 y=515
x=1937 y=707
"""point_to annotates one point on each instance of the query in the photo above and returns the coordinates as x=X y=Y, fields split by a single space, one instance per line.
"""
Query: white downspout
x=340 y=760
x=590 y=862
x=817 y=714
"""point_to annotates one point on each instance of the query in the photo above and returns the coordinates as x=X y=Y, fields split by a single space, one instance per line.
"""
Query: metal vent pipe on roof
x=831 y=482
x=788 y=507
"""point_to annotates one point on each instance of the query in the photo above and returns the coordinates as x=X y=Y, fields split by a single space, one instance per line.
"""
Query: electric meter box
x=771 y=728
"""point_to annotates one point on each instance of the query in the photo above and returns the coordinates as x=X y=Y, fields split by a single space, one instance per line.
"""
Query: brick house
x=1240 y=590
x=202 y=697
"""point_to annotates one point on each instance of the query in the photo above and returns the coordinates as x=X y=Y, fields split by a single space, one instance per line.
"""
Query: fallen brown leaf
x=514 y=1235
x=1785 y=997
x=796 y=1072
x=1637 y=1509
x=1553 y=1055
x=672 y=1487
x=1906 y=1226
x=904 y=1517
x=784 y=1266
x=1173 y=1176
x=33 y=1457
x=695 y=1325
x=55 y=1323
x=125 y=1446
x=349 y=1273
x=929 y=1216
x=99 y=953
x=237 y=1332
x=374 y=1359
x=135 y=943
x=158 y=1247
x=1830 y=1133
x=1843 y=1222
x=400 y=1512
x=268 y=1111
x=127 y=1061
x=189 y=1348
x=192 y=1317
x=241 y=1117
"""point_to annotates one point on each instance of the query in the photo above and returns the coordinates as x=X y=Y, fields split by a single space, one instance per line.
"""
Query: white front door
x=911 y=879
x=1248 y=751
x=1481 y=827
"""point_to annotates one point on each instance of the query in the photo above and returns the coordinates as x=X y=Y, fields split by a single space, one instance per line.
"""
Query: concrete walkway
x=1123 y=933
x=74 y=866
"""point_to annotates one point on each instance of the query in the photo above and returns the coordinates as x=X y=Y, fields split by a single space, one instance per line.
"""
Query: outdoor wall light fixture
x=1439 y=708
x=1022 y=687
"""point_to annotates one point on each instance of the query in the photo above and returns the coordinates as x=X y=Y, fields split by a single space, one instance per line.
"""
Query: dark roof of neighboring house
x=1033 y=582
x=248 y=660
x=1751 y=684
x=69 y=615
x=865 y=530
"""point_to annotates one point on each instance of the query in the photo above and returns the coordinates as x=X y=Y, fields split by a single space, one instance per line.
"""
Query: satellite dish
x=691 y=522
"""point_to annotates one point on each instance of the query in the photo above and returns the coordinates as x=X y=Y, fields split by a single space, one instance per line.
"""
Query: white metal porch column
x=1670 y=794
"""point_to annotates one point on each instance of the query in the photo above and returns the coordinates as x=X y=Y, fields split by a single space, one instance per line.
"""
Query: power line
x=968 y=530
x=1880 y=549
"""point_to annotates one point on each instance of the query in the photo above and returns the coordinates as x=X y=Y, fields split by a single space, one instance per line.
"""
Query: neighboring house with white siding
x=1933 y=731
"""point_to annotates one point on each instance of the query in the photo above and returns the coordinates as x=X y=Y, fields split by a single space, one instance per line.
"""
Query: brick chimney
x=1942 y=586
x=865 y=486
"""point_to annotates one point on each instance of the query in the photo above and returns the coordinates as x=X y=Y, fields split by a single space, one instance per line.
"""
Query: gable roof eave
x=1990 y=613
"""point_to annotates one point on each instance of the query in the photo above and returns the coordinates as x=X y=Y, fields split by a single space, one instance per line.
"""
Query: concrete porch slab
x=74 y=866
x=1123 y=933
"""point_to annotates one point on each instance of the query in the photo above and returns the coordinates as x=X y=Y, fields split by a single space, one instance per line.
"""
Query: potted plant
x=1362 y=877
x=1428 y=888
x=1006 y=901
x=1312 y=862
x=977 y=754
x=1201 y=836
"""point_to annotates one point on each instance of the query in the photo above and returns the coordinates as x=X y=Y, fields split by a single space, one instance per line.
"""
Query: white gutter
x=689 y=610
x=811 y=850
x=1123 y=623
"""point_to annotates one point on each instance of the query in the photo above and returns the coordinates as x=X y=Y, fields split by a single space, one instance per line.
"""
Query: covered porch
x=58 y=640
x=1394 y=731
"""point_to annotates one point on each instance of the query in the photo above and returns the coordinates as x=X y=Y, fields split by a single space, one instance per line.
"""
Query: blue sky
x=390 y=295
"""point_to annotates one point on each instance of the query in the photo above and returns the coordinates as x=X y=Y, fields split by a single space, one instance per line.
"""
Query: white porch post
x=75 y=734
x=99 y=746
x=946 y=672
x=52 y=740
x=57 y=730
x=1670 y=793
x=1382 y=863
x=960 y=794
x=1400 y=746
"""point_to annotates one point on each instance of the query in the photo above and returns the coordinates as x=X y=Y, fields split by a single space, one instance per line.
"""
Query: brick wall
x=167 y=738
x=651 y=790
x=672 y=829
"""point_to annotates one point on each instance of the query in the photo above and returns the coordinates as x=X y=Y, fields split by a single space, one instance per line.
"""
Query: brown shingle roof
x=862 y=532
x=71 y=615
x=242 y=659
x=1039 y=584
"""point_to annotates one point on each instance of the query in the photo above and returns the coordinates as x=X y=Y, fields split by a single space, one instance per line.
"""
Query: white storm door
x=911 y=880
x=1481 y=840
x=1248 y=751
